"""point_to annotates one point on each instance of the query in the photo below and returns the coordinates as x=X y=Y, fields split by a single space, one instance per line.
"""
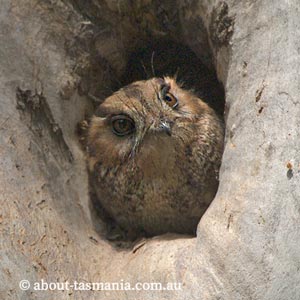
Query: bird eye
x=122 y=125
x=167 y=97
x=171 y=100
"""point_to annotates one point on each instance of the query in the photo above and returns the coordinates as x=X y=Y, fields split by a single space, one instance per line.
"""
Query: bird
x=153 y=152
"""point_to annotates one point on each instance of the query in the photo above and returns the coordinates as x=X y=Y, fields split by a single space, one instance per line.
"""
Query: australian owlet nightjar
x=153 y=153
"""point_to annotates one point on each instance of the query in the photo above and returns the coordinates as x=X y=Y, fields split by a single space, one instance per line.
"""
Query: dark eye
x=122 y=125
x=167 y=97
x=171 y=100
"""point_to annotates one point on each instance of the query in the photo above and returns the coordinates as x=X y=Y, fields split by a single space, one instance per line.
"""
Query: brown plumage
x=153 y=154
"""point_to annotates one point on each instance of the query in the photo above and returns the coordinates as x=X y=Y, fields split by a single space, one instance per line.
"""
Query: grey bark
x=247 y=242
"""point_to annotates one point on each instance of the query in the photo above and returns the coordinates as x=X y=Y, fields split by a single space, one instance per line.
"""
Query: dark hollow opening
x=159 y=58
x=164 y=57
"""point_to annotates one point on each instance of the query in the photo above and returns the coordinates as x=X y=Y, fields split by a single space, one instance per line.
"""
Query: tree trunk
x=57 y=57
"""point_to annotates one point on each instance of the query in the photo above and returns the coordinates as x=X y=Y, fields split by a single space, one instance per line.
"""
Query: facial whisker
x=126 y=104
x=156 y=90
x=137 y=142
x=152 y=63
x=145 y=70
x=136 y=109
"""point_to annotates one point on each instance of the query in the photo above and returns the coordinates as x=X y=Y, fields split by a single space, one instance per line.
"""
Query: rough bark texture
x=56 y=55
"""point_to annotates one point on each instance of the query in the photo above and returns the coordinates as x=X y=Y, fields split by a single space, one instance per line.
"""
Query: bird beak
x=166 y=127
